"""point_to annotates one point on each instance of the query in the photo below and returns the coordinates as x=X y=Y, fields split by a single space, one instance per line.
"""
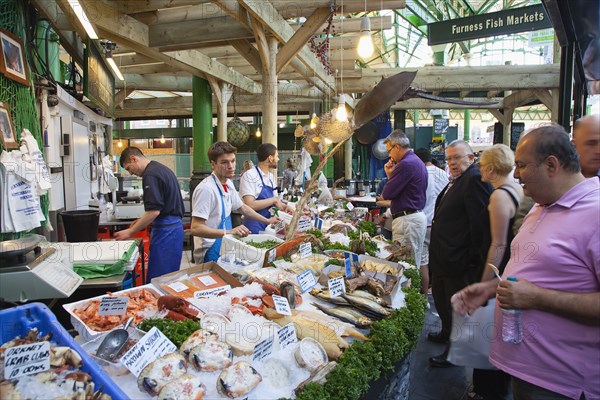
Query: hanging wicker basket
x=336 y=131
x=238 y=132
x=299 y=131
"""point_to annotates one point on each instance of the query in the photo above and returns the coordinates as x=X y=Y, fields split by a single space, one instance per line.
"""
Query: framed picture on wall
x=12 y=58
x=7 y=130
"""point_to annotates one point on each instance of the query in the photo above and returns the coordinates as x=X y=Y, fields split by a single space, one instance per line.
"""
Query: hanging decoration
x=329 y=127
x=238 y=132
x=321 y=49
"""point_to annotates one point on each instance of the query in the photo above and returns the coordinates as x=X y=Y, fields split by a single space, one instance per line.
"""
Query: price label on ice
x=350 y=206
x=278 y=226
x=336 y=286
x=272 y=255
x=113 y=305
x=305 y=250
x=304 y=224
x=26 y=359
x=150 y=347
x=178 y=286
x=212 y=292
x=263 y=349
x=207 y=280
x=287 y=335
x=306 y=280
x=282 y=305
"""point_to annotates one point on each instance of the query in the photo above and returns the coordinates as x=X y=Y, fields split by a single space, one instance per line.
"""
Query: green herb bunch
x=176 y=331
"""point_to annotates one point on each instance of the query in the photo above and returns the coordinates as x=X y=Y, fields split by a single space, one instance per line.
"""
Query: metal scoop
x=496 y=271
x=113 y=343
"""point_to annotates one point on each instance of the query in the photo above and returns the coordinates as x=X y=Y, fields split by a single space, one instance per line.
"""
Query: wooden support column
x=348 y=159
x=270 y=94
x=504 y=116
x=223 y=92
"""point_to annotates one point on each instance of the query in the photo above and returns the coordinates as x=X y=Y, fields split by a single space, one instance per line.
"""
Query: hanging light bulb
x=120 y=143
x=365 y=44
x=314 y=121
x=258 y=133
x=328 y=142
x=341 y=113
x=162 y=139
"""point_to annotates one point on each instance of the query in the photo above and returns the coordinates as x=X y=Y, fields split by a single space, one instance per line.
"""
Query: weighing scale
x=28 y=272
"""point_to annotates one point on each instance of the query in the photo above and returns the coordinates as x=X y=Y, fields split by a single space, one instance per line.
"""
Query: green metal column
x=400 y=120
x=48 y=39
x=202 y=122
x=467 y=125
x=202 y=130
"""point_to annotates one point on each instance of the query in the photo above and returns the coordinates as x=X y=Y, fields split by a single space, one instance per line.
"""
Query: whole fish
x=366 y=304
x=344 y=315
x=367 y=295
x=323 y=294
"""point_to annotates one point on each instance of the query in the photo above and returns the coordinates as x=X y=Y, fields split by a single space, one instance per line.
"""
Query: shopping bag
x=471 y=337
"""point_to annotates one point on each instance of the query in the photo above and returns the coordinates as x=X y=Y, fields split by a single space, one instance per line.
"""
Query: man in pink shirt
x=556 y=260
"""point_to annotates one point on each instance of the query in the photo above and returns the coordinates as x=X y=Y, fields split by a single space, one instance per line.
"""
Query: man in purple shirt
x=556 y=260
x=406 y=188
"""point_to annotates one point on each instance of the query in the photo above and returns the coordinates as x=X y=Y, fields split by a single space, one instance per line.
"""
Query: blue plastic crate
x=17 y=321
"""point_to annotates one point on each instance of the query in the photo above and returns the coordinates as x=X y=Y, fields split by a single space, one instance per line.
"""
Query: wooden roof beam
x=121 y=28
x=301 y=37
x=278 y=27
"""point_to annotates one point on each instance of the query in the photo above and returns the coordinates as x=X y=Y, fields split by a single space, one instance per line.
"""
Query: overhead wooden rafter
x=121 y=28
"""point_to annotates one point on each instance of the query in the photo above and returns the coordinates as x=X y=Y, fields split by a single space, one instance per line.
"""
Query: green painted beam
x=153 y=133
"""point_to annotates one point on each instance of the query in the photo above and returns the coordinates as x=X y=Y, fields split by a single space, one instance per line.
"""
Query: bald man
x=586 y=137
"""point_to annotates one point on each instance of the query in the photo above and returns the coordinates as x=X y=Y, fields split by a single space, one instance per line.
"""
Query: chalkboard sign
x=440 y=126
x=516 y=129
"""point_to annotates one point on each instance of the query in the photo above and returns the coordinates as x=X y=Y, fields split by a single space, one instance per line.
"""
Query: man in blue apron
x=212 y=202
x=163 y=207
x=258 y=189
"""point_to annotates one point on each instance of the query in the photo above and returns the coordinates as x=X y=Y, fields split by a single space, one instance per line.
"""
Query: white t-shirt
x=250 y=183
x=437 y=179
x=206 y=204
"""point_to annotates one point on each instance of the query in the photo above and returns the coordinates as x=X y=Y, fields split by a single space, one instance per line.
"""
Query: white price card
x=149 y=348
x=282 y=305
x=263 y=349
x=26 y=359
x=285 y=217
x=306 y=280
x=305 y=250
x=287 y=335
x=113 y=305
x=304 y=224
x=178 y=286
x=212 y=292
x=272 y=255
x=337 y=287
x=350 y=206
x=207 y=280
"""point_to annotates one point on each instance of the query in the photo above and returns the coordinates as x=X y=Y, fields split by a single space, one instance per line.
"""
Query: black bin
x=81 y=225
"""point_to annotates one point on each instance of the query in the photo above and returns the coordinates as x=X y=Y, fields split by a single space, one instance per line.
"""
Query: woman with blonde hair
x=496 y=165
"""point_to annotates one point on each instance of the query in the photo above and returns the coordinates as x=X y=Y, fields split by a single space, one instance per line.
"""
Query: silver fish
x=323 y=294
x=372 y=297
x=366 y=304
x=344 y=315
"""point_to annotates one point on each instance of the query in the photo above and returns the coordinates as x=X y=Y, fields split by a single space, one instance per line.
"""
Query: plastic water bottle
x=512 y=327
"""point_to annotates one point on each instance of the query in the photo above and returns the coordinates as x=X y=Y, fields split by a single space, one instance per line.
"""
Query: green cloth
x=90 y=271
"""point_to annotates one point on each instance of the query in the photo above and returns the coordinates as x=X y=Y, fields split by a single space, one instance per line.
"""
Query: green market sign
x=493 y=24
